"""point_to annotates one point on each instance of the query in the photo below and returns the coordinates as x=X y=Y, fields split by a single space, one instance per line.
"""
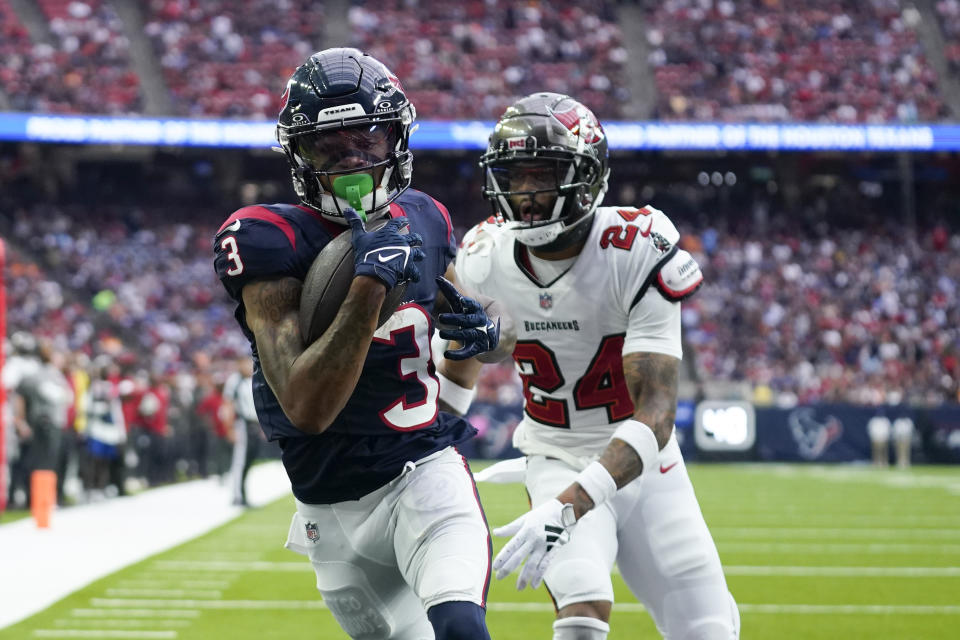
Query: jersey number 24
x=602 y=386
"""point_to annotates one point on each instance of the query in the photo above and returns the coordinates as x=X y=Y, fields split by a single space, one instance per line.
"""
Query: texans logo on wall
x=812 y=435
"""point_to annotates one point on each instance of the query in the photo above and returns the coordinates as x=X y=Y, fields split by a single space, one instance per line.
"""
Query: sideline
x=85 y=543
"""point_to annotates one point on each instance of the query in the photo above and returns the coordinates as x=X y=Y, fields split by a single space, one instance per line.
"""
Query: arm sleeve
x=654 y=326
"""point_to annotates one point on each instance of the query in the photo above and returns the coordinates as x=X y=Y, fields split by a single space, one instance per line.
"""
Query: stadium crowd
x=84 y=68
x=820 y=60
x=473 y=59
x=224 y=58
x=711 y=59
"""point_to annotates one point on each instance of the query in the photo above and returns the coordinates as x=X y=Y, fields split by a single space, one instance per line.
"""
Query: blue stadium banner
x=838 y=433
x=472 y=135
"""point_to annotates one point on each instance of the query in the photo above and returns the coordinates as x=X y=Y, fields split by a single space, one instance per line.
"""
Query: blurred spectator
x=247 y=435
x=87 y=70
x=106 y=432
x=820 y=60
x=473 y=59
x=42 y=397
x=232 y=58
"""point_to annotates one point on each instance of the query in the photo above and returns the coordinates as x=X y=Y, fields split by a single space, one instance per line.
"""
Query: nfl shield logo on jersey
x=313 y=532
x=546 y=301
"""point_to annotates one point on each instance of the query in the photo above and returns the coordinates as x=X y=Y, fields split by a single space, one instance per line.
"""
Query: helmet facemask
x=377 y=147
x=542 y=196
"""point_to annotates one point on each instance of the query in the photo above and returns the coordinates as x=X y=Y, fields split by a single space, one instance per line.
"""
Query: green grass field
x=810 y=553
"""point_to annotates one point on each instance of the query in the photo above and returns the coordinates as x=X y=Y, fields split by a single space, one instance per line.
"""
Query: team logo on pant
x=546 y=301
x=313 y=532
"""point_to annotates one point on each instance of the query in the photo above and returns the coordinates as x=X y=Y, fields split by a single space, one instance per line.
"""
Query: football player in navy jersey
x=387 y=510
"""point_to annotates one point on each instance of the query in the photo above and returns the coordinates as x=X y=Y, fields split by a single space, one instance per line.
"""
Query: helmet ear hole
x=308 y=182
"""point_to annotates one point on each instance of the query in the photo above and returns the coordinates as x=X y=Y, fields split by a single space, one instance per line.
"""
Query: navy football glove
x=386 y=254
x=469 y=324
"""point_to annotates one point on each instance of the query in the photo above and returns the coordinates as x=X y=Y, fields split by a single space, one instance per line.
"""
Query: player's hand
x=469 y=324
x=387 y=254
x=537 y=535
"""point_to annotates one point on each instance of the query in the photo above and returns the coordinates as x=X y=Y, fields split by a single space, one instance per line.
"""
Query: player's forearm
x=323 y=377
x=621 y=462
x=653 y=380
x=457 y=381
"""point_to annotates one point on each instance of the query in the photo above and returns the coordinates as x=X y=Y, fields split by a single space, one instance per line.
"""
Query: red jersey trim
x=258 y=212
x=446 y=216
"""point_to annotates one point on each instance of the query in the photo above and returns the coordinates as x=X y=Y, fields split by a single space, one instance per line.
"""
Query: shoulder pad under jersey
x=474 y=257
x=679 y=276
x=255 y=242
x=675 y=273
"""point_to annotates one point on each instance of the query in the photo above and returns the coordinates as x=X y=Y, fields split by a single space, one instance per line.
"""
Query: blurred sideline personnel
x=387 y=510
x=595 y=295
x=40 y=404
x=238 y=394
x=879 y=429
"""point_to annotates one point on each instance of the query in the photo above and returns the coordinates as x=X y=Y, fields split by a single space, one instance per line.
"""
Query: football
x=328 y=282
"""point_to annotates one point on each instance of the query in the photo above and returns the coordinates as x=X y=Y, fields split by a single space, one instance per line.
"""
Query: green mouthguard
x=352 y=188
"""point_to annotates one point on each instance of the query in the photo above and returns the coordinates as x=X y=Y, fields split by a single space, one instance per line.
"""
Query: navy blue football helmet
x=345 y=113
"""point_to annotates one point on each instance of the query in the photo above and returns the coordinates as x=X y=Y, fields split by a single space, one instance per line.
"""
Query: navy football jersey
x=392 y=416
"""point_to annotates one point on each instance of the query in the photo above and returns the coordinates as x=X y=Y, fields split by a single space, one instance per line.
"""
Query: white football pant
x=385 y=559
x=654 y=530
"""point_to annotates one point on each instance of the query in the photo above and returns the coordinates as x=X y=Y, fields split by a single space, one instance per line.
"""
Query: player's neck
x=562 y=254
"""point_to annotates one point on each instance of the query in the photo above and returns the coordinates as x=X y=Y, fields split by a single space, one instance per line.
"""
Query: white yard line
x=910 y=479
x=839 y=547
x=777 y=533
x=163 y=593
x=105 y=633
x=801 y=609
x=121 y=623
x=843 y=572
x=88 y=542
x=127 y=612
x=735 y=570
x=168 y=581
x=187 y=567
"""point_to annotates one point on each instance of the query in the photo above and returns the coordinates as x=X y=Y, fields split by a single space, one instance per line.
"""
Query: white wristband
x=644 y=442
x=597 y=482
x=457 y=398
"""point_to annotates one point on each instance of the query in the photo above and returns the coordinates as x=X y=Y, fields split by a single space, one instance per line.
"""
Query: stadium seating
x=863 y=316
x=85 y=70
x=228 y=58
x=473 y=59
x=717 y=60
x=772 y=60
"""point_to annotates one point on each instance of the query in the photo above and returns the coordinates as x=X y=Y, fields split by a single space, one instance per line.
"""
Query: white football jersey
x=620 y=295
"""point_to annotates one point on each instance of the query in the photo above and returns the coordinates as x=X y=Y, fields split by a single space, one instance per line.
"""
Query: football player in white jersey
x=594 y=293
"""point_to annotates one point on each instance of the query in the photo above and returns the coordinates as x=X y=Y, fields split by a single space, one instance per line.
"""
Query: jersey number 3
x=602 y=386
x=416 y=365
x=229 y=244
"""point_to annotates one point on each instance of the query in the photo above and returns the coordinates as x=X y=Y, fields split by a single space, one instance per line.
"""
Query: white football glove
x=537 y=535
